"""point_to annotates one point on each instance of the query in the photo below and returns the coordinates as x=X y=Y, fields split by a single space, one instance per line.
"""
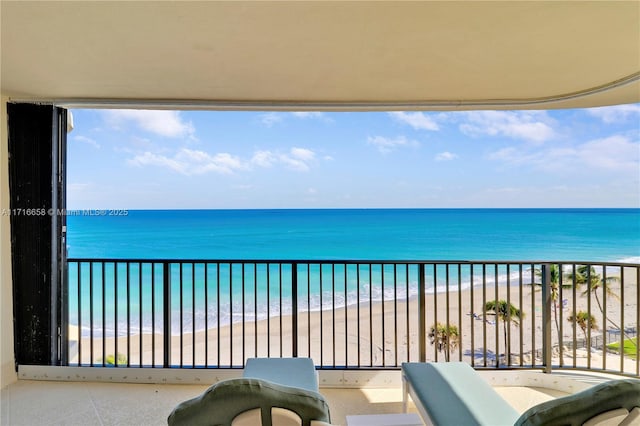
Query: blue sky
x=217 y=160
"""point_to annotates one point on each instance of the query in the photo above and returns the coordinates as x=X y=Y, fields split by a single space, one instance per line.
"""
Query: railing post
x=294 y=309
x=166 y=315
x=422 y=330
x=546 y=317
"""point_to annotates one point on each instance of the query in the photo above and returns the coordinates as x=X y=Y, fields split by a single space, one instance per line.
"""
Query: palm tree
x=555 y=287
x=594 y=281
x=445 y=337
x=506 y=312
x=585 y=321
x=587 y=275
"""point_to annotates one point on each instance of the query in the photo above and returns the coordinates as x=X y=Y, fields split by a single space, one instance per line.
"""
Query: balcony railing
x=353 y=314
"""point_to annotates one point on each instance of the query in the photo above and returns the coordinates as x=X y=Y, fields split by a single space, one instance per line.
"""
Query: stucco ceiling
x=323 y=54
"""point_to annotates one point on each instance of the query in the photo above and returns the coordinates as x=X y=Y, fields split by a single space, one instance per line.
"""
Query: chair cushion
x=454 y=393
x=576 y=409
x=295 y=372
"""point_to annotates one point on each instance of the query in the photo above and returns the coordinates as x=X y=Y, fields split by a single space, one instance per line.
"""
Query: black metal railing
x=353 y=314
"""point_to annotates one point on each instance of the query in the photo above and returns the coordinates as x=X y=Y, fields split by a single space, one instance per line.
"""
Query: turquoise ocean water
x=416 y=234
x=583 y=235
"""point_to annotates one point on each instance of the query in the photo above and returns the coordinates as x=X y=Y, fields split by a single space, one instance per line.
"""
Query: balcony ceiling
x=323 y=55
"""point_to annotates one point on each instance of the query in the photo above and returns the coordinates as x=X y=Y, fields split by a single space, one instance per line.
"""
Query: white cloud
x=192 y=162
x=532 y=126
x=417 y=120
x=617 y=113
x=386 y=145
x=164 y=123
x=298 y=159
x=189 y=162
x=446 y=156
x=614 y=155
x=271 y=118
x=263 y=158
x=308 y=114
x=302 y=154
x=87 y=141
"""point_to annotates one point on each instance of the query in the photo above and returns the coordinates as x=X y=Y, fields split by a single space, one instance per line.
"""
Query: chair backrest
x=224 y=401
x=580 y=407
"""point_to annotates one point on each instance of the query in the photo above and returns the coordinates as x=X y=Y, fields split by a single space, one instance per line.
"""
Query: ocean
x=371 y=234
x=533 y=235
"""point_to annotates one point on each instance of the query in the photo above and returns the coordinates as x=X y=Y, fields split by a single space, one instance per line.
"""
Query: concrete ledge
x=327 y=378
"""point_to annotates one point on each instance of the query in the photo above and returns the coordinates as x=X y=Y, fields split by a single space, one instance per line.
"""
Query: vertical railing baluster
x=589 y=324
x=193 y=315
x=521 y=301
x=205 y=267
x=115 y=312
x=358 y=310
x=384 y=352
x=460 y=311
x=104 y=315
x=533 y=318
x=560 y=299
x=79 y=313
x=255 y=309
x=128 y=282
x=370 y=315
x=546 y=317
x=218 y=264
x=473 y=314
x=622 y=326
x=333 y=313
x=152 y=267
x=294 y=309
x=395 y=313
x=422 y=331
x=435 y=303
x=574 y=285
x=497 y=317
x=484 y=314
x=268 y=310
x=508 y=343
x=346 y=320
x=604 y=318
x=407 y=315
x=243 y=301
x=166 y=305
x=140 y=308
x=280 y=305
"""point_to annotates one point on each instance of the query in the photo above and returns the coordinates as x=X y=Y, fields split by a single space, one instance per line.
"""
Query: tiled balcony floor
x=29 y=402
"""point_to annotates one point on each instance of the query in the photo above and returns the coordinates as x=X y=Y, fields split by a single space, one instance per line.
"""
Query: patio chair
x=452 y=393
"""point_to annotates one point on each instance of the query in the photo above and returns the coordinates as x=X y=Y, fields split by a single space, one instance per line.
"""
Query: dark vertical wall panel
x=32 y=138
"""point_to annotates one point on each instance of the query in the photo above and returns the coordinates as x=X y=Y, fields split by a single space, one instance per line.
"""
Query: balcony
x=349 y=315
x=185 y=324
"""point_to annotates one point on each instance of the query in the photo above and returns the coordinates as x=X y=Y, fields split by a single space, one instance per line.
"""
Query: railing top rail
x=356 y=261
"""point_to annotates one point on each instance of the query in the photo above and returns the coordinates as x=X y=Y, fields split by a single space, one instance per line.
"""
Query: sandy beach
x=386 y=334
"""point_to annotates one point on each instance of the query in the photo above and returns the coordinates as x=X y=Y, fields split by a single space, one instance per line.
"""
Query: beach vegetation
x=110 y=360
x=585 y=321
x=629 y=348
x=507 y=313
x=446 y=338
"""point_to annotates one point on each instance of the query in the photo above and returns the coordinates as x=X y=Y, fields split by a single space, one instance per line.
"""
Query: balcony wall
x=7 y=365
